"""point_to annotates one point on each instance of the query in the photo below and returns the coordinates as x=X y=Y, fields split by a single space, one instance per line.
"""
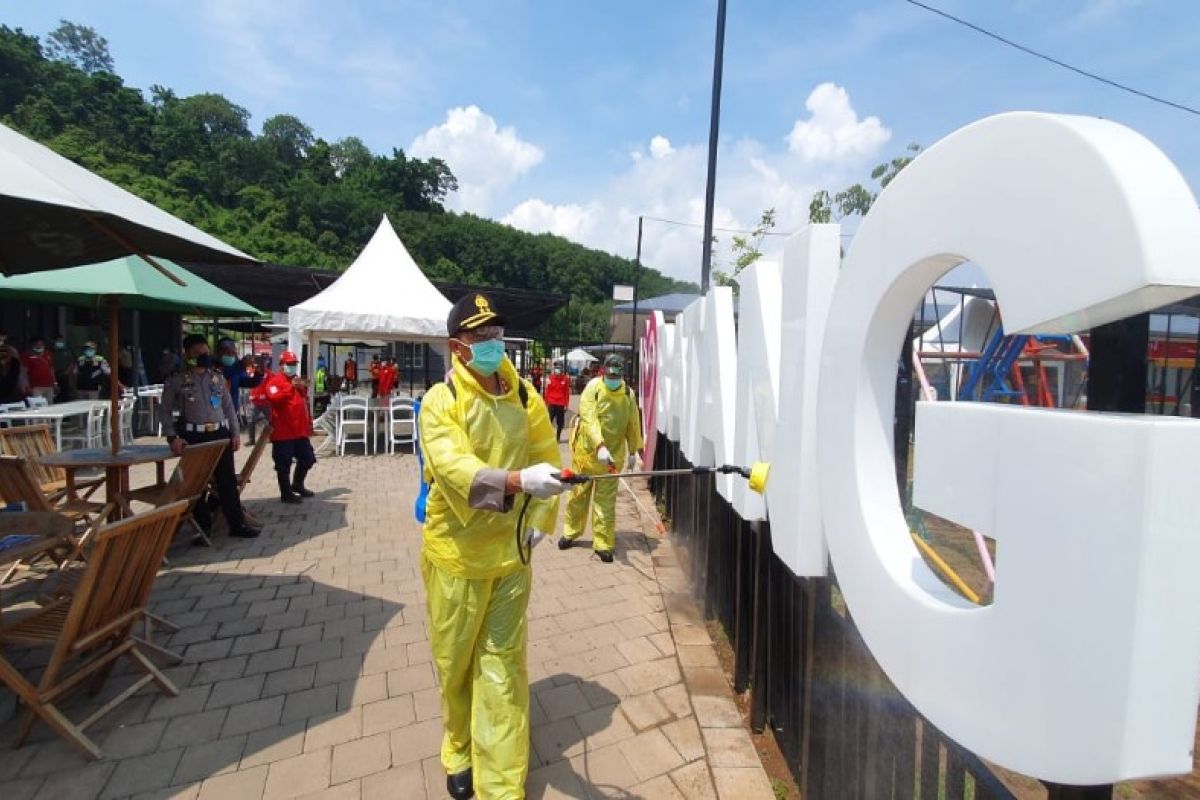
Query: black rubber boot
x=460 y=786
x=605 y=555
x=298 y=482
x=286 y=495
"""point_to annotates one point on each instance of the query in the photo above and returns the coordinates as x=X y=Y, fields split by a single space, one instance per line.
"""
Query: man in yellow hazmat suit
x=491 y=459
x=609 y=426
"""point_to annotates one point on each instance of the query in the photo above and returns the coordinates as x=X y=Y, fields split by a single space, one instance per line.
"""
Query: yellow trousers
x=601 y=498
x=477 y=631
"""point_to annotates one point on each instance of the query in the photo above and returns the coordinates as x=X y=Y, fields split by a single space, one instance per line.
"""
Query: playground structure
x=961 y=352
x=971 y=357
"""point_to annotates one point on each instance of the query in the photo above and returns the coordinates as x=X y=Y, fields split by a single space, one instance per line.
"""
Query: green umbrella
x=128 y=282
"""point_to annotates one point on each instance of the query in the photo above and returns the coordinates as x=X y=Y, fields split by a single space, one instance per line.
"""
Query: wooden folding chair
x=256 y=454
x=188 y=482
x=247 y=472
x=31 y=442
x=19 y=484
x=91 y=629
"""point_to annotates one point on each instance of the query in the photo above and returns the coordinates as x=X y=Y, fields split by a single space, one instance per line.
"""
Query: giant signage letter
x=1084 y=668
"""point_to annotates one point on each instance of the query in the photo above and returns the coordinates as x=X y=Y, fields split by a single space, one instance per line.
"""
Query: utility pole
x=637 y=277
x=714 y=124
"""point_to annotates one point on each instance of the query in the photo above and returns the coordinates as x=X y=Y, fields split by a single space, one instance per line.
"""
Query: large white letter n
x=1086 y=667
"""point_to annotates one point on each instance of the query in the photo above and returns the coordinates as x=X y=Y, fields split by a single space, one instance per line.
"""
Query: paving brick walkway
x=307 y=669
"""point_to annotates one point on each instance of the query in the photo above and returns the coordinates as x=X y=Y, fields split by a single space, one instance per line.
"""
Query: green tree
x=79 y=46
x=284 y=194
x=857 y=200
x=746 y=249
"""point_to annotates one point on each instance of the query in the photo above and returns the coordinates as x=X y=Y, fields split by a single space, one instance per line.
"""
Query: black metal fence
x=844 y=729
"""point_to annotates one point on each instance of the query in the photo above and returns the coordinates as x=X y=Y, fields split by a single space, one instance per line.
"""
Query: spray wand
x=755 y=474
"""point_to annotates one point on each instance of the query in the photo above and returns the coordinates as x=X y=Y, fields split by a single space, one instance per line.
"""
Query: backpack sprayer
x=756 y=474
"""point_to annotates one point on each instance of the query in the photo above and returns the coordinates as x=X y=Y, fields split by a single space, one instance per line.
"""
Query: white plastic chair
x=125 y=411
x=402 y=414
x=146 y=406
x=353 y=414
x=92 y=434
x=6 y=407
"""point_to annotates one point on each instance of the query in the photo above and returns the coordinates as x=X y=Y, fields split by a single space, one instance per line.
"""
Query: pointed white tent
x=382 y=295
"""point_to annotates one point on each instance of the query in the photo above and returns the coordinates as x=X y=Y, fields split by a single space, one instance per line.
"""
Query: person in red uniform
x=286 y=394
x=558 y=397
x=387 y=377
x=39 y=368
x=350 y=372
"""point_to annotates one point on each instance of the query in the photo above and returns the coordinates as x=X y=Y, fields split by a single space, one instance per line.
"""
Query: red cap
x=288 y=357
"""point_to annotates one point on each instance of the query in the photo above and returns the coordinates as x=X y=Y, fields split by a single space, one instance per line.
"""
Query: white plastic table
x=53 y=414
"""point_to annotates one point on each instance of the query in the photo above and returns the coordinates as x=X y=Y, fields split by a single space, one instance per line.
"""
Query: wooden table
x=116 y=468
x=49 y=530
x=54 y=414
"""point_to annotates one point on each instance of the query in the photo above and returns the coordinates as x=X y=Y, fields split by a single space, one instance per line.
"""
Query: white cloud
x=834 y=131
x=570 y=220
x=660 y=147
x=486 y=158
x=669 y=184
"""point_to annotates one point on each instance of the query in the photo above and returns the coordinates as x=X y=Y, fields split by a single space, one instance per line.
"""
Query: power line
x=699 y=225
x=723 y=230
x=1115 y=84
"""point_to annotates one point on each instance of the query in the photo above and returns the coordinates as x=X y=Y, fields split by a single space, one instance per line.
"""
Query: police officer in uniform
x=91 y=373
x=206 y=414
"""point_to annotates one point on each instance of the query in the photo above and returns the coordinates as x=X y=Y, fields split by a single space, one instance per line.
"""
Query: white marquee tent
x=382 y=295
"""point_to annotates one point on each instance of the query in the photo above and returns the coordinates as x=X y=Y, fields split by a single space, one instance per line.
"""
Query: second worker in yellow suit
x=491 y=459
x=608 y=428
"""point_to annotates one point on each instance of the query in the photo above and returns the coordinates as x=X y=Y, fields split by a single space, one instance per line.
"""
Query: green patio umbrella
x=130 y=283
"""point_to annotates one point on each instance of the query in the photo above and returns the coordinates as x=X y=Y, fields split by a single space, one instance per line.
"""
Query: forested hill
x=283 y=194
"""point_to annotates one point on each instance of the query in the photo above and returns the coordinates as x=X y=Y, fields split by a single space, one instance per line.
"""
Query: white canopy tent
x=580 y=357
x=383 y=295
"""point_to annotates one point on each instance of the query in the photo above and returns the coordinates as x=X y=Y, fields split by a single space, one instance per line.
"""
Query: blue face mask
x=613 y=383
x=486 y=356
x=88 y=352
x=228 y=360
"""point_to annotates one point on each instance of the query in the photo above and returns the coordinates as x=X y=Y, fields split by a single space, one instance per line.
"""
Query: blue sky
x=576 y=117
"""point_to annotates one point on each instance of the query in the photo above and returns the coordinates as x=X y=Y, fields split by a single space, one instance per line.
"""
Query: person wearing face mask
x=91 y=373
x=234 y=374
x=485 y=439
x=558 y=397
x=14 y=386
x=609 y=426
x=39 y=369
x=285 y=393
x=64 y=369
x=206 y=414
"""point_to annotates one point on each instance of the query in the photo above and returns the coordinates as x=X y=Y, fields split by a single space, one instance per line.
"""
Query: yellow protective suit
x=608 y=418
x=476 y=586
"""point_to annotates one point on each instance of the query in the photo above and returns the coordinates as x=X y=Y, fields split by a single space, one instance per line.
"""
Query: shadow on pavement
x=562 y=746
x=270 y=661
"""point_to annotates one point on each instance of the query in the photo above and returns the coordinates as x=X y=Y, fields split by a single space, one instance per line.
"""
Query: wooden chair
x=256 y=454
x=30 y=442
x=188 y=482
x=19 y=484
x=247 y=472
x=93 y=628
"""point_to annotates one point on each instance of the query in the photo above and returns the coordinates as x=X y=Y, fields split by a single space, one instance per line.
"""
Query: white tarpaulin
x=54 y=213
x=382 y=295
x=580 y=357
